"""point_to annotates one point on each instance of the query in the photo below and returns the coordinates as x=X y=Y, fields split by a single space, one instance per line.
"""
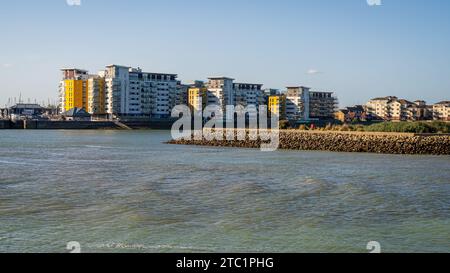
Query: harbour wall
x=5 y=124
x=155 y=124
x=362 y=142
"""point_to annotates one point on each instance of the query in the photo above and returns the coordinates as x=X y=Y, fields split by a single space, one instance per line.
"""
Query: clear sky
x=347 y=46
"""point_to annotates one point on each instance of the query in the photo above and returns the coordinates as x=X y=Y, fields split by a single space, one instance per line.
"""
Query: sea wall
x=5 y=124
x=154 y=124
x=65 y=125
x=385 y=143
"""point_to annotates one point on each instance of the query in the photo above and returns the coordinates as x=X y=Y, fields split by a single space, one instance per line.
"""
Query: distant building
x=180 y=97
x=96 y=100
x=197 y=98
x=26 y=111
x=277 y=106
x=322 y=105
x=73 y=89
x=297 y=103
x=121 y=91
x=350 y=114
x=221 y=92
x=248 y=94
x=441 y=111
x=132 y=92
x=394 y=109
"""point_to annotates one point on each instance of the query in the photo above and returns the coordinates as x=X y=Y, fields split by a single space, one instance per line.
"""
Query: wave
x=16 y=163
x=124 y=246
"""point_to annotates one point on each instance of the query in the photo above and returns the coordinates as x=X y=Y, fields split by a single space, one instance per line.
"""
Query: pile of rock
x=386 y=143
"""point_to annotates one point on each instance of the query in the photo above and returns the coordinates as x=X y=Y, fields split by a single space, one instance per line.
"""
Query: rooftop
x=26 y=106
x=220 y=78
x=243 y=83
x=443 y=103
x=296 y=87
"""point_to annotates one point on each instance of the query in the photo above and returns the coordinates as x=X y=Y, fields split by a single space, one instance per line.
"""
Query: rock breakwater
x=362 y=142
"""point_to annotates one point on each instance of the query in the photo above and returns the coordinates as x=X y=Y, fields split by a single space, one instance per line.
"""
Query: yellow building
x=197 y=98
x=96 y=96
x=277 y=106
x=75 y=94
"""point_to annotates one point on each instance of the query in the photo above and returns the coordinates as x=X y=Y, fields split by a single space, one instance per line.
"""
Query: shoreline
x=85 y=125
x=353 y=142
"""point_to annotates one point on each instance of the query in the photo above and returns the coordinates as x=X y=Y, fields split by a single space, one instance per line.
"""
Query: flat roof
x=123 y=66
x=77 y=69
x=260 y=84
x=290 y=87
x=324 y=92
x=220 y=78
x=154 y=73
x=27 y=105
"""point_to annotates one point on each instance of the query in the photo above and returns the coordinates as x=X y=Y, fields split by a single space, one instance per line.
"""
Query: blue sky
x=356 y=50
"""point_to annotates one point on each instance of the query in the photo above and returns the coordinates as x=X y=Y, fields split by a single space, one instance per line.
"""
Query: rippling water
x=125 y=191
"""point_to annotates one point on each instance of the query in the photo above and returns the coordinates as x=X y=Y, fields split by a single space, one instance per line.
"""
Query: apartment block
x=394 y=109
x=249 y=94
x=297 y=103
x=131 y=92
x=197 y=98
x=441 y=111
x=277 y=105
x=221 y=91
x=322 y=105
x=96 y=95
x=73 y=89
x=180 y=97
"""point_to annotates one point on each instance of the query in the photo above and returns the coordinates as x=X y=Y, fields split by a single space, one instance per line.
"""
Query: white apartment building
x=248 y=94
x=379 y=107
x=297 y=103
x=441 y=111
x=394 y=109
x=220 y=91
x=131 y=92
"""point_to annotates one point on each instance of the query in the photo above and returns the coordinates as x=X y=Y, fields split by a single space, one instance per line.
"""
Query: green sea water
x=126 y=191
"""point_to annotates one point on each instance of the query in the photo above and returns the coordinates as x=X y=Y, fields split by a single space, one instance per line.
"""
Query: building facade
x=297 y=103
x=121 y=91
x=441 y=111
x=249 y=94
x=221 y=92
x=277 y=106
x=73 y=89
x=322 y=105
x=197 y=98
x=394 y=109
x=350 y=114
x=131 y=92
x=96 y=99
